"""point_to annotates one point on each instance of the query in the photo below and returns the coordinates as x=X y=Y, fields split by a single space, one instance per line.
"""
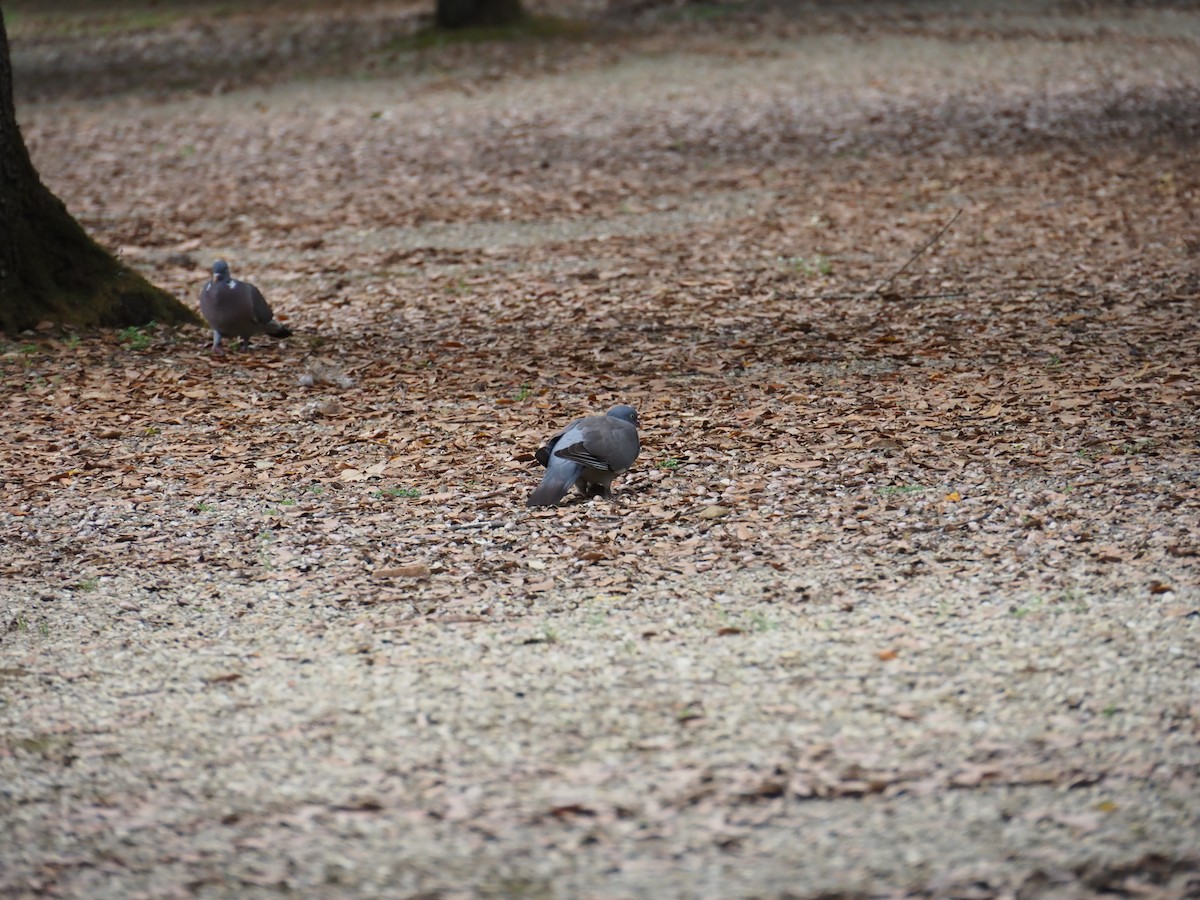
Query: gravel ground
x=902 y=597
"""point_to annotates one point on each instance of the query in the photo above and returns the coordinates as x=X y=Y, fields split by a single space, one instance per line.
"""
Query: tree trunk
x=466 y=13
x=50 y=270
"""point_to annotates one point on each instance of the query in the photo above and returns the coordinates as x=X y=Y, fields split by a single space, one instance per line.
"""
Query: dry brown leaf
x=412 y=570
x=223 y=678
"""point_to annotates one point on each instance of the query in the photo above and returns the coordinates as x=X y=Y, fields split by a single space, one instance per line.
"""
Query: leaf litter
x=901 y=595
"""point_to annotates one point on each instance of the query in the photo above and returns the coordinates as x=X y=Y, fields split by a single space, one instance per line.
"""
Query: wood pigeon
x=589 y=454
x=236 y=309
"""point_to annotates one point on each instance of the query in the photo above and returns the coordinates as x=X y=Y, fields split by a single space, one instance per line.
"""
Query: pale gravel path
x=324 y=760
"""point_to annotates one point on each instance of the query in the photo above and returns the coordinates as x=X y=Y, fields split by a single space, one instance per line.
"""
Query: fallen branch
x=946 y=296
x=943 y=296
x=929 y=243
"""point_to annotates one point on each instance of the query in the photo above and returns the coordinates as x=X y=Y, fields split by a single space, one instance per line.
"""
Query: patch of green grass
x=703 y=12
x=152 y=431
x=1072 y=601
x=1109 y=711
x=50 y=746
x=22 y=623
x=1032 y=606
x=1054 y=362
x=1136 y=448
x=811 y=265
x=759 y=622
x=72 y=341
x=29 y=350
x=144 y=20
x=87 y=585
x=410 y=493
x=523 y=393
x=517 y=886
x=670 y=464
x=84 y=21
x=203 y=507
x=549 y=635
x=890 y=490
x=266 y=537
x=287 y=501
x=137 y=337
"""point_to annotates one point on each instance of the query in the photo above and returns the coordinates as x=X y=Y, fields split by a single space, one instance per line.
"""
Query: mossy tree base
x=50 y=270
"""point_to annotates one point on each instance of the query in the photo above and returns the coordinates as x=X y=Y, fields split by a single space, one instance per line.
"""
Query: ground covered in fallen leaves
x=901 y=597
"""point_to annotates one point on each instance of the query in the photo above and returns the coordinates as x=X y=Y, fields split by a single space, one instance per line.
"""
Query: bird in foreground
x=236 y=309
x=588 y=453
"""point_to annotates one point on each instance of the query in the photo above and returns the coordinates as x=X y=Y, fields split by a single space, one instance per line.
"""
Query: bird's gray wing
x=561 y=473
x=256 y=303
x=600 y=442
x=259 y=311
x=589 y=452
x=208 y=309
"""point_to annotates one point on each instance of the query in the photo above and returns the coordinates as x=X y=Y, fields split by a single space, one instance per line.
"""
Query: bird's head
x=628 y=413
x=220 y=270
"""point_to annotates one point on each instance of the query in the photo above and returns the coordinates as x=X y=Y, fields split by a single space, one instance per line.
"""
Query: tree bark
x=50 y=270
x=467 y=13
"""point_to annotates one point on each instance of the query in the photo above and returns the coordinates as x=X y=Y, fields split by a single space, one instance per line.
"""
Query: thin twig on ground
x=941 y=296
x=929 y=243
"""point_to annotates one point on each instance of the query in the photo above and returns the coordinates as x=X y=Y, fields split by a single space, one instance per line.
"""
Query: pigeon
x=236 y=309
x=588 y=453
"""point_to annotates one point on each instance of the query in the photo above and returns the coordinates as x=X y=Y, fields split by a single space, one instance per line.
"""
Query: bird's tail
x=277 y=329
x=557 y=481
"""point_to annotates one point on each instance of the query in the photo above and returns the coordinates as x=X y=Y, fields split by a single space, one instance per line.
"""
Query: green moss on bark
x=61 y=275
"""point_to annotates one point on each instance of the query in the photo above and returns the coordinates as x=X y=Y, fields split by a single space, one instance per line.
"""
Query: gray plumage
x=236 y=309
x=588 y=453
